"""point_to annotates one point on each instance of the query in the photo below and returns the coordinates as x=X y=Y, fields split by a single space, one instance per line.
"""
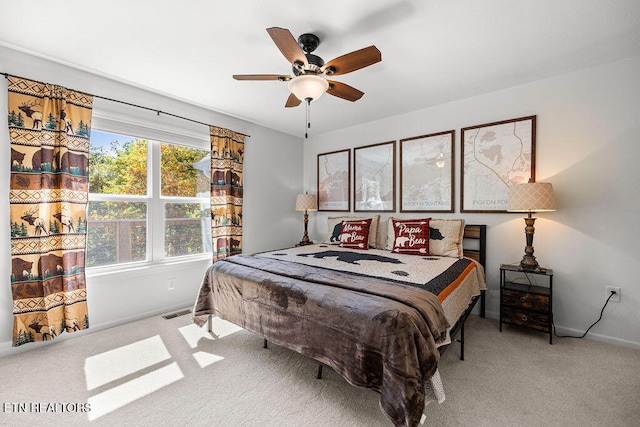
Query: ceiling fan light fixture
x=308 y=86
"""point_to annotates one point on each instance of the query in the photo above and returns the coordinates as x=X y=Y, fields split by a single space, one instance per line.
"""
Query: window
x=148 y=200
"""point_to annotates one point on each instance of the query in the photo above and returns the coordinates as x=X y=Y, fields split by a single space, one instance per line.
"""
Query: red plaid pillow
x=411 y=236
x=355 y=234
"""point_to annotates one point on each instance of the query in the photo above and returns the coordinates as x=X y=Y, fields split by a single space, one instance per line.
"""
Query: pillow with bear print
x=411 y=236
x=355 y=234
x=334 y=225
x=446 y=237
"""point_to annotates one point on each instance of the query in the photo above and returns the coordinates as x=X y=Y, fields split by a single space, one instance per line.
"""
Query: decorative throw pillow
x=446 y=237
x=411 y=236
x=391 y=234
x=334 y=225
x=355 y=234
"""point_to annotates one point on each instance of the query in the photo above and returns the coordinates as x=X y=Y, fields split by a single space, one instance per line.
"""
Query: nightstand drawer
x=525 y=318
x=525 y=301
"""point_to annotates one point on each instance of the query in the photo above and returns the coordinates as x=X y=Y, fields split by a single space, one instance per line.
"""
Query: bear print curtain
x=227 y=154
x=49 y=130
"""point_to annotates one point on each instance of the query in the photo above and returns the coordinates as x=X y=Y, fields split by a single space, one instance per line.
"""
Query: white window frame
x=155 y=248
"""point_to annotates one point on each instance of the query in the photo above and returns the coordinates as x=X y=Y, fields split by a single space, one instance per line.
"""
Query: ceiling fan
x=311 y=72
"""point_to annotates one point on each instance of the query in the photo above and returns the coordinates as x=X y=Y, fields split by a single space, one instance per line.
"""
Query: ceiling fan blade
x=261 y=77
x=353 y=61
x=292 y=101
x=344 y=91
x=288 y=45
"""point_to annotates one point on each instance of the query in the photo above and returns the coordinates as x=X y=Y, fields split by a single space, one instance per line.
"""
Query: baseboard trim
x=561 y=330
x=6 y=348
x=598 y=337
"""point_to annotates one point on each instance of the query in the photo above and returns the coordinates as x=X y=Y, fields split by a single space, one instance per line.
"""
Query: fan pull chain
x=306 y=134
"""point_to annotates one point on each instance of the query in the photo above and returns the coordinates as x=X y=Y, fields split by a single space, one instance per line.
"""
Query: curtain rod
x=158 y=112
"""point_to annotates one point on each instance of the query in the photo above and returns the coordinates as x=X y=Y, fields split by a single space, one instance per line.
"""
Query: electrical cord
x=589 y=328
x=585 y=333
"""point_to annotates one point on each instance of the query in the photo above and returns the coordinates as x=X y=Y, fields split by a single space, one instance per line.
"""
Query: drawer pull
x=524 y=318
x=523 y=298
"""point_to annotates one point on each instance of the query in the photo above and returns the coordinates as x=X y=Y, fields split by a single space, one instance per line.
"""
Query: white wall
x=272 y=179
x=588 y=146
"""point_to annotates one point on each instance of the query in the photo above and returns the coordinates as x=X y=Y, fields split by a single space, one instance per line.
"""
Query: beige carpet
x=159 y=372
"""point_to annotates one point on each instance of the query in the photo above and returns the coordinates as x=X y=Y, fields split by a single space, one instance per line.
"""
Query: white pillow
x=445 y=237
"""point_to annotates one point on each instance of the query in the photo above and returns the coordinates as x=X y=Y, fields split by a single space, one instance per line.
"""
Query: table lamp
x=306 y=202
x=530 y=197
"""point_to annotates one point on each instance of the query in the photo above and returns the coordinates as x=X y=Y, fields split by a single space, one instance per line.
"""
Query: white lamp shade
x=306 y=202
x=308 y=86
x=531 y=197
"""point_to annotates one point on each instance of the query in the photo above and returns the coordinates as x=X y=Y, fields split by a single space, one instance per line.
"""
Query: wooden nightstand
x=524 y=301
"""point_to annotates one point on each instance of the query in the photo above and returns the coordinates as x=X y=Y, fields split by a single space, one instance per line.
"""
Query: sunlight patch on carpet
x=112 y=365
x=205 y=359
x=117 y=397
x=221 y=328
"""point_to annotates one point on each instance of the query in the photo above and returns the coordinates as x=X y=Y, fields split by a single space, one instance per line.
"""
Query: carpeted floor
x=159 y=372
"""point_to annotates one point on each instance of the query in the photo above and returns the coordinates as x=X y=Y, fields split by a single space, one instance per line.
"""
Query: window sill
x=142 y=268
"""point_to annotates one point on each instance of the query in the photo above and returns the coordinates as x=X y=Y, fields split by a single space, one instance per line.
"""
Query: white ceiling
x=433 y=51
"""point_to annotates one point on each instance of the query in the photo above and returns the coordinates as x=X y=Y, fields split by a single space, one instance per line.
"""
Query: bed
x=378 y=318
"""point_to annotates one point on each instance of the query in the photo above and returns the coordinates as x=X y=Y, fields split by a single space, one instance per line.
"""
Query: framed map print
x=334 y=171
x=494 y=157
x=426 y=173
x=375 y=177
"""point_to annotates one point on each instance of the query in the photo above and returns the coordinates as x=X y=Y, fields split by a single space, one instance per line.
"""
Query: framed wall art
x=334 y=172
x=494 y=157
x=375 y=177
x=426 y=173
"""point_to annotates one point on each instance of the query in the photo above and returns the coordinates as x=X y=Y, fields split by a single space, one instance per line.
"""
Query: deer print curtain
x=227 y=154
x=49 y=133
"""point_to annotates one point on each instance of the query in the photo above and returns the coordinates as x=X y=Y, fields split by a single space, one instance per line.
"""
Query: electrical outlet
x=616 y=297
x=171 y=283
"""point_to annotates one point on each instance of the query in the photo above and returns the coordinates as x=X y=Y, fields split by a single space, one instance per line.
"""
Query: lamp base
x=305 y=237
x=304 y=242
x=529 y=263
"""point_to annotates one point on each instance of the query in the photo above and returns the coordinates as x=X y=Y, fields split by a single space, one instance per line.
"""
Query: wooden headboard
x=478 y=250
